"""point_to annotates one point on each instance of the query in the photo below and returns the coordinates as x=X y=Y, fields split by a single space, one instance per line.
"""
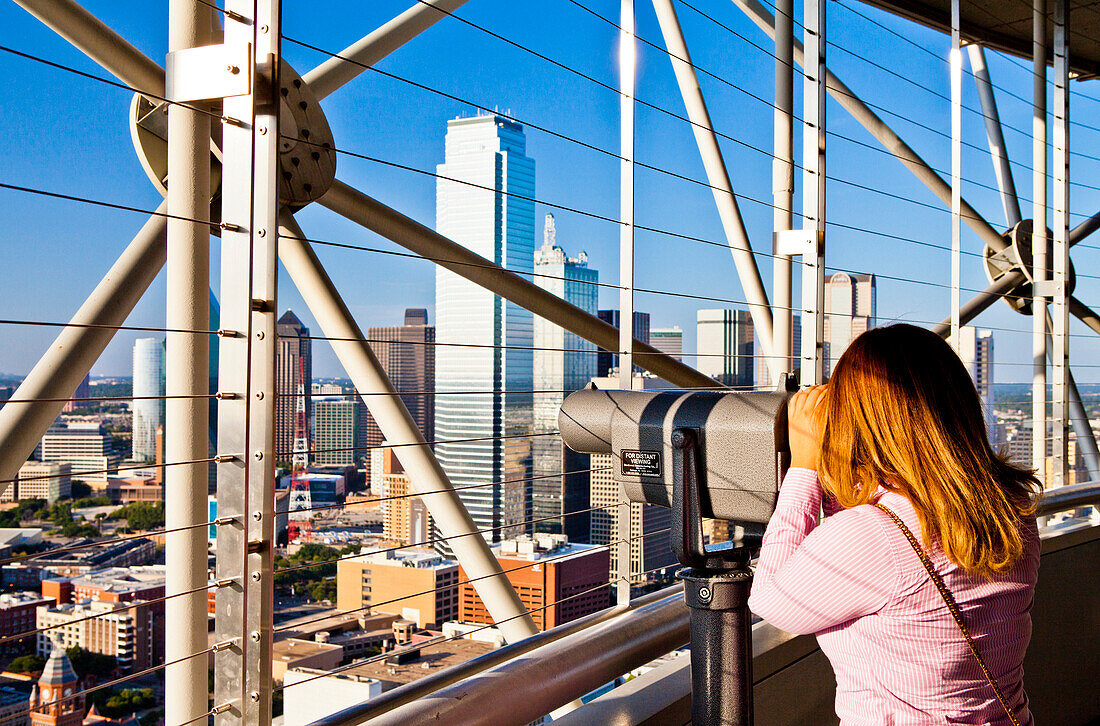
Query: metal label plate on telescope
x=634 y=462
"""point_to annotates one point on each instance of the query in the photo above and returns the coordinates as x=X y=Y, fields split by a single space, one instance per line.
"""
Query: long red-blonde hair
x=903 y=414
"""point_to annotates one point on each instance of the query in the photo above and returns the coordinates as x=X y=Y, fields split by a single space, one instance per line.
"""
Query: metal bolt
x=255 y=633
x=263 y=28
x=257 y=516
x=259 y=335
x=255 y=578
x=261 y=232
x=259 y=395
x=233 y=69
x=263 y=130
x=258 y=456
x=254 y=696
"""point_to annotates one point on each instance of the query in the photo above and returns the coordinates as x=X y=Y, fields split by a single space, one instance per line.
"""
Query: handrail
x=644 y=626
x=363 y=712
x=1069 y=497
x=525 y=689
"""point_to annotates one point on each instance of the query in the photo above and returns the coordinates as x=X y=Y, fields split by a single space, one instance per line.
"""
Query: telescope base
x=721 y=645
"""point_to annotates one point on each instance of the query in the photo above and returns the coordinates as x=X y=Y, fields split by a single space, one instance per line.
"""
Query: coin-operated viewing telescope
x=717 y=454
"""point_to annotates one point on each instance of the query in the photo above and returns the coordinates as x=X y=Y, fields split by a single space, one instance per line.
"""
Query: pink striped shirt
x=899 y=657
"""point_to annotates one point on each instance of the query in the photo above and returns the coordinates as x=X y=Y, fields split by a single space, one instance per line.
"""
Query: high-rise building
x=85 y=445
x=407 y=355
x=564 y=362
x=669 y=341
x=148 y=413
x=293 y=383
x=41 y=480
x=976 y=352
x=850 y=309
x=606 y=360
x=763 y=373
x=83 y=391
x=416 y=583
x=724 y=346
x=484 y=367
x=556 y=580
x=405 y=518
x=335 y=430
x=109 y=628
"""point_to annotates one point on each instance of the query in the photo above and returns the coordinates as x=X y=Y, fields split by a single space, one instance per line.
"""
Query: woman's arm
x=811 y=577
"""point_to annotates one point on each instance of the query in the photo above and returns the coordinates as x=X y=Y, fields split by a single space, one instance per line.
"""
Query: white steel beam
x=186 y=374
x=1086 y=440
x=998 y=151
x=981 y=302
x=246 y=409
x=783 y=184
x=812 y=369
x=103 y=45
x=1059 y=303
x=426 y=476
x=878 y=128
x=628 y=54
x=1040 y=274
x=955 y=65
x=353 y=60
x=718 y=178
x=65 y=363
x=426 y=242
x=1084 y=229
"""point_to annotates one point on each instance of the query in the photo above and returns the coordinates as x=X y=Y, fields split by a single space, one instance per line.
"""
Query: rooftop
x=432 y=658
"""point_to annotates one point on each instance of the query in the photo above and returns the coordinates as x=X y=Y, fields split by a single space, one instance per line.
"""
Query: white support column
x=1038 y=241
x=246 y=410
x=783 y=183
x=733 y=225
x=956 y=172
x=628 y=53
x=813 y=194
x=186 y=374
x=1059 y=304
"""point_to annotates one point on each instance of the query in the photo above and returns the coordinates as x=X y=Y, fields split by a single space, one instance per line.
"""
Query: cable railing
x=528 y=523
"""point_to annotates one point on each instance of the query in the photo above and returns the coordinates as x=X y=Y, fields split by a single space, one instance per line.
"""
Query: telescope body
x=741 y=448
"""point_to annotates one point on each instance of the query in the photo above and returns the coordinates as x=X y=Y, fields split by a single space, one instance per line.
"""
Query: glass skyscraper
x=483 y=414
x=564 y=362
x=148 y=381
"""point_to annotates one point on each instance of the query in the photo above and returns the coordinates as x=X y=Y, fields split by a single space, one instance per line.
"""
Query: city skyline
x=494 y=75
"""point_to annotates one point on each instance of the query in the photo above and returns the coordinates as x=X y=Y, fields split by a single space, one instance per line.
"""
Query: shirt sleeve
x=811 y=577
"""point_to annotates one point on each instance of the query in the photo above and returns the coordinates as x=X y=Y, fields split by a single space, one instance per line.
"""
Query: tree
x=86 y=663
x=27 y=664
x=80 y=490
x=140 y=516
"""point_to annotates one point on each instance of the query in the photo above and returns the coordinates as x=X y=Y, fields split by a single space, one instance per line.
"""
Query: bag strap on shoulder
x=952 y=607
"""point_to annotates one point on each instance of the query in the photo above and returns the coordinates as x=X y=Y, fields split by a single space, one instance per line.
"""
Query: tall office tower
x=850 y=309
x=763 y=374
x=407 y=355
x=724 y=346
x=84 y=444
x=148 y=413
x=606 y=360
x=669 y=341
x=335 y=430
x=293 y=381
x=976 y=352
x=564 y=362
x=83 y=391
x=484 y=367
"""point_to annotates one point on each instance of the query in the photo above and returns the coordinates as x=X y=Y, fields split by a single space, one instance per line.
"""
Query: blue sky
x=69 y=134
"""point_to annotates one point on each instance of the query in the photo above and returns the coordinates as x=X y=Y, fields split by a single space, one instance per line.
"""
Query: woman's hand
x=805 y=426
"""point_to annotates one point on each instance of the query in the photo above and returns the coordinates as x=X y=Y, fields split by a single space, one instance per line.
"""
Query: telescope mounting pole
x=716 y=589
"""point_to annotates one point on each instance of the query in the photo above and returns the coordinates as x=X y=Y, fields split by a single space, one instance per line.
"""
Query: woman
x=900 y=425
